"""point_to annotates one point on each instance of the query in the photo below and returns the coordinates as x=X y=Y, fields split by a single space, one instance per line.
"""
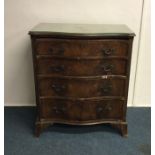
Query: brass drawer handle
x=108 y=52
x=59 y=110
x=57 y=68
x=106 y=89
x=105 y=108
x=56 y=52
x=100 y=109
x=56 y=110
x=108 y=67
x=58 y=88
x=108 y=108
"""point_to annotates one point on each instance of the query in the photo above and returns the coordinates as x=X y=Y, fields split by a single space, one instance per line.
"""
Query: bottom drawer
x=88 y=110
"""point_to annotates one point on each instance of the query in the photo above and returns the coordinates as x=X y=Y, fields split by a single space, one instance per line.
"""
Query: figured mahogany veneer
x=81 y=111
x=82 y=48
x=72 y=67
x=81 y=74
x=84 y=87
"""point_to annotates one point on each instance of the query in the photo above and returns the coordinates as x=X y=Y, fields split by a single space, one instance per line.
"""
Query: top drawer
x=81 y=48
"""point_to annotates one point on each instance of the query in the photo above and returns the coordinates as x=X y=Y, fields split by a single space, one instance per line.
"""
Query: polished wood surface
x=81 y=48
x=81 y=111
x=84 y=87
x=81 y=30
x=81 y=78
x=71 y=67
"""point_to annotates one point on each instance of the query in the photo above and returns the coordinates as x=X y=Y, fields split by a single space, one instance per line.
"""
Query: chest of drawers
x=81 y=74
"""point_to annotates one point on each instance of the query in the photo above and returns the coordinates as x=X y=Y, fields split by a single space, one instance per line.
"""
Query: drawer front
x=81 y=48
x=81 y=87
x=82 y=68
x=81 y=110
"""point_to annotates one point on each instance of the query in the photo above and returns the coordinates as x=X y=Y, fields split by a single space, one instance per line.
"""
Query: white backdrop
x=21 y=16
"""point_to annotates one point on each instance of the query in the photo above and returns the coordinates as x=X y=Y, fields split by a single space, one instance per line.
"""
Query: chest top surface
x=81 y=30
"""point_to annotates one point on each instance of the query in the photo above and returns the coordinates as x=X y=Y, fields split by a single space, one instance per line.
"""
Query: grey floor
x=75 y=140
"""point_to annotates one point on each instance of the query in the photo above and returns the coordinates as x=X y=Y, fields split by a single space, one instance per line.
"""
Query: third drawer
x=81 y=88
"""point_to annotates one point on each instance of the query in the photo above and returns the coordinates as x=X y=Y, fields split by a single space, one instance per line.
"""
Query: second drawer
x=88 y=67
x=81 y=88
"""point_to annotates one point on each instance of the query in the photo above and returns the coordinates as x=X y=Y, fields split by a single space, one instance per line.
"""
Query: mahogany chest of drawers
x=81 y=74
